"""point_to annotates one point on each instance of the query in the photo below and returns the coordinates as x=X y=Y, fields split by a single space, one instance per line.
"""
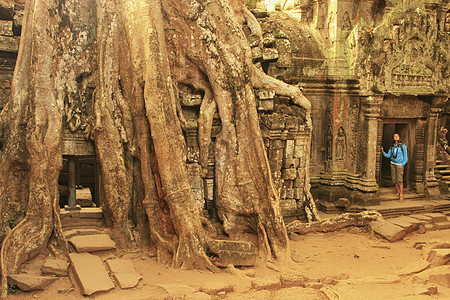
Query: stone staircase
x=94 y=265
x=442 y=172
x=397 y=228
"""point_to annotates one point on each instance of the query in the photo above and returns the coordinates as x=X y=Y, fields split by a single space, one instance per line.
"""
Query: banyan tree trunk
x=114 y=67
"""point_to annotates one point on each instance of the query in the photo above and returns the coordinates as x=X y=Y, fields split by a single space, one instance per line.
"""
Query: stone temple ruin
x=369 y=68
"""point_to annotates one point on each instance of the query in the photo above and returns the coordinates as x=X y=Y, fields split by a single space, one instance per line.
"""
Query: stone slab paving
x=84 y=231
x=91 y=243
x=412 y=220
x=422 y=218
x=388 y=230
x=437 y=217
x=29 y=282
x=90 y=273
x=55 y=267
x=123 y=272
x=91 y=213
x=442 y=225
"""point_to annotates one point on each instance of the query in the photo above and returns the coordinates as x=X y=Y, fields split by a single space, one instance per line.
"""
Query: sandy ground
x=348 y=264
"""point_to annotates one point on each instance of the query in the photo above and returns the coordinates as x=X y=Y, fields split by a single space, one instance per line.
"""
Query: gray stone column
x=72 y=166
x=431 y=184
x=371 y=109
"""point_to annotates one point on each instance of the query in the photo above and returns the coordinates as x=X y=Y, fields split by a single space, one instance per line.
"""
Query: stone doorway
x=405 y=129
x=78 y=181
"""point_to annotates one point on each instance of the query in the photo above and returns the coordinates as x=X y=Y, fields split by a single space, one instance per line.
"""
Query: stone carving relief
x=341 y=144
x=405 y=55
x=447 y=21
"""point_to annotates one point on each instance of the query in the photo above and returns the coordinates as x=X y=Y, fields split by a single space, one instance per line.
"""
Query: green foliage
x=11 y=222
x=12 y=289
x=251 y=4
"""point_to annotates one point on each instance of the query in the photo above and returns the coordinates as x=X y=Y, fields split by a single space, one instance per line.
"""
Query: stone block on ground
x=416 y=267
x=91 y=243
x=177 y=289
x=215 y=287
x=409 y=226
x=421 y=217
x=68 y=234
x=236 y=246
x=84 y=197
x=90 y=273
x=388 y=230
x=411 y=220
x=442 y=225
x=55 y=267
x=266 y=283
x=91 y=213
x=290 y=280
x=438 y=275
x=438 y=257
x=123 y=272
x=437 y=217
x=81 y=222
x=29 y=282
x=237 y=258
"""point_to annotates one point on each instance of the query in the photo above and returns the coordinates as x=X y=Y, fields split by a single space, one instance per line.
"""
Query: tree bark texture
x=123 y=61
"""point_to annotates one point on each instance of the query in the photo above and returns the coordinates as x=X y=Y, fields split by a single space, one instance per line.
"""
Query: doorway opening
x=78 y=183
x=404 y=130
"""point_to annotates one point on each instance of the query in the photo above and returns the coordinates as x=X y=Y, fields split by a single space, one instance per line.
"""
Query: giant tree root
x=332 y=224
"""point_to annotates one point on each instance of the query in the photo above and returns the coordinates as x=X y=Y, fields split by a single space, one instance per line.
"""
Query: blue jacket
x=401 y=157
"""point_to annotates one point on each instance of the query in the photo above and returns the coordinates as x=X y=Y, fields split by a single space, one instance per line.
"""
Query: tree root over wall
x=122 y=64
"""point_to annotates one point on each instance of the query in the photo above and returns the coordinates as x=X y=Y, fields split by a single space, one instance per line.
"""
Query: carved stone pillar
x=72 y=162
x=431 y=184
x=371 y=108
x=319 y=11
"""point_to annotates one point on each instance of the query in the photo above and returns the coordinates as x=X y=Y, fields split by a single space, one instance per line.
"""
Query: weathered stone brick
x=269 y=54
x=388 y=230
x=289 y=149
x=257 y=53
x=237 y=258
x=265 y=105
x=190 y=99
x=9 y=44
x=6 y=28
x=289 y=163
x=268 y=39
x=253 y=40
x=241 y=246
x=289 y=174
x=276 y=144
x=209 y=189
x=292 y=123
x=264 y=94
x=298 y=192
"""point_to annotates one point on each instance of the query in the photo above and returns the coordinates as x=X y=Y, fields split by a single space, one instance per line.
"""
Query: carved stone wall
x=11 y=15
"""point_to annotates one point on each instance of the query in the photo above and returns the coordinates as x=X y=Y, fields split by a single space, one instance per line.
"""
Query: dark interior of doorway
x=388 y=132
x=85 y=170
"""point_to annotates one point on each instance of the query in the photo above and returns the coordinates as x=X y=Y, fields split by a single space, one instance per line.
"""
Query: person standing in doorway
x=398 y=155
